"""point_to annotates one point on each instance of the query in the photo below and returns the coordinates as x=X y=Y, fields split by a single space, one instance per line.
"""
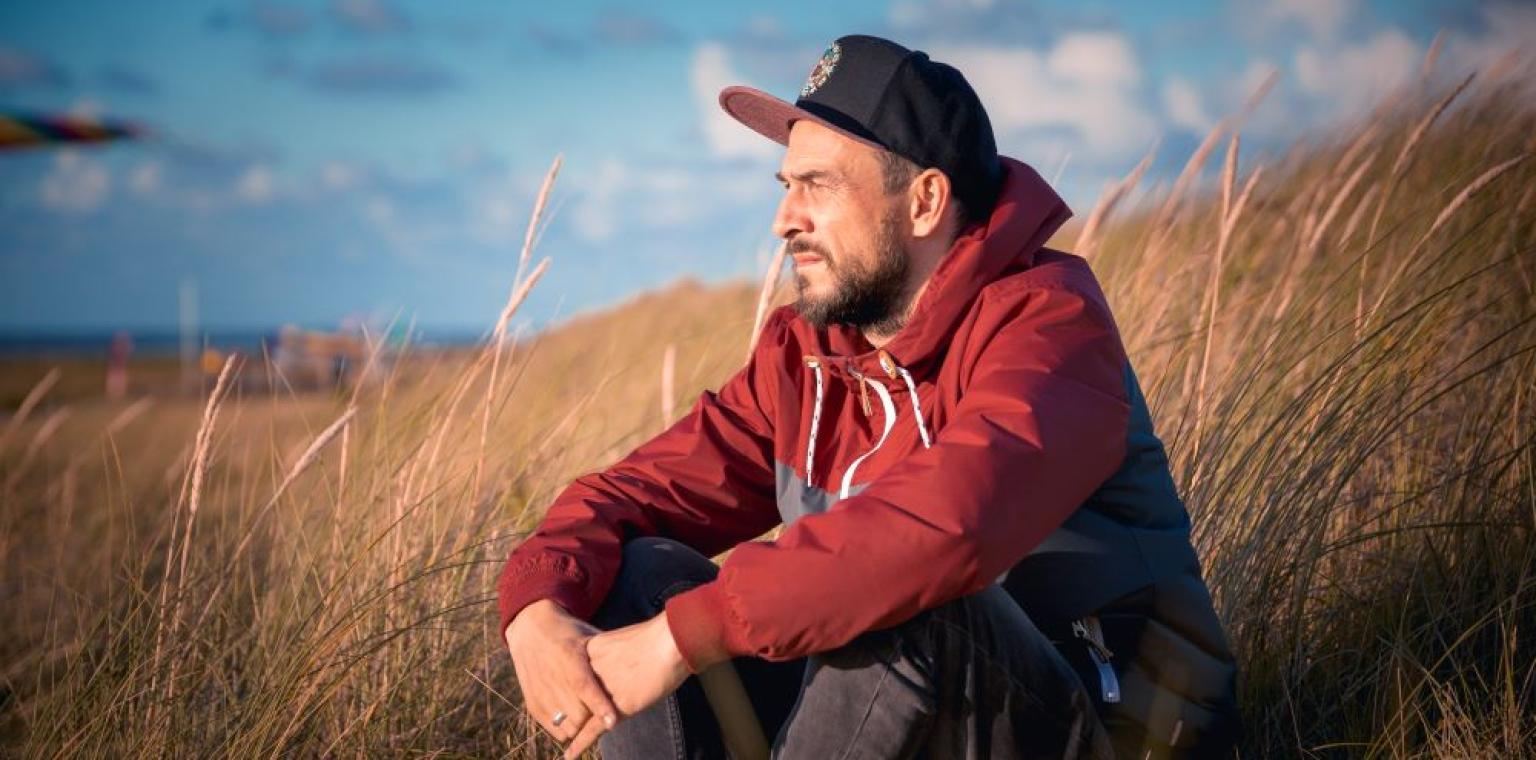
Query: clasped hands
x=590 y=679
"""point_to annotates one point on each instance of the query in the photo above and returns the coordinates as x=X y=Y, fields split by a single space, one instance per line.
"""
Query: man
x=984 y=555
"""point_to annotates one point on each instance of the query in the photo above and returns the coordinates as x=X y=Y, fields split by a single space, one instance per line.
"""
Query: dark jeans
x=972 y=678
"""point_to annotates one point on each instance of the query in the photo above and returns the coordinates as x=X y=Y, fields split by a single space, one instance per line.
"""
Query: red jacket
x=895 y=502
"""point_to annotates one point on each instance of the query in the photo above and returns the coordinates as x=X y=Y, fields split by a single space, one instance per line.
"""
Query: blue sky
x=330 y=160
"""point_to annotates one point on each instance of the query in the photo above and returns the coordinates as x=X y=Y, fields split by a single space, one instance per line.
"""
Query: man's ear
x=929 y=196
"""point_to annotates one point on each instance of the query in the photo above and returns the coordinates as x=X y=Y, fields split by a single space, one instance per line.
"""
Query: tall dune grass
x=1339 y=347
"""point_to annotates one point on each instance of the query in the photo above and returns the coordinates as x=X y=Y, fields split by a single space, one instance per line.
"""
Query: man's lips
x=802 y=259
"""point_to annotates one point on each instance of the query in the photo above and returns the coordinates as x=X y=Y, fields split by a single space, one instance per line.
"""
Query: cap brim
x=772 y=117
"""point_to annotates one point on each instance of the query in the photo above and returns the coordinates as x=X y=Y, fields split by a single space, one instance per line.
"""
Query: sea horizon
x=153 y=341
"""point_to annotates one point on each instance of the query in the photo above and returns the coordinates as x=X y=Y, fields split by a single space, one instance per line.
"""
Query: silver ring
x=558 y=717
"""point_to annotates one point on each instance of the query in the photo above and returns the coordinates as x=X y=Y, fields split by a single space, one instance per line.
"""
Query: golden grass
x=1339 y=351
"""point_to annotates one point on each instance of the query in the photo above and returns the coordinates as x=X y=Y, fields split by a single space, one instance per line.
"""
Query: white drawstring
x=890 y=422
x=917 y=409
x=886 y=404
x=810 y=444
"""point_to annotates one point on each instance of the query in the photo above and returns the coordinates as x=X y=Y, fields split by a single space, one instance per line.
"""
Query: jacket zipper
x=1087 y=629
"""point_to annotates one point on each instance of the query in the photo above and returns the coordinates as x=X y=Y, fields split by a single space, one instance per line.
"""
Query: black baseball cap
x=886 y=96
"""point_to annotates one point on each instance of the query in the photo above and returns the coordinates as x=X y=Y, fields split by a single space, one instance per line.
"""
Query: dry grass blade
x=1231 y=212
x=311 y=453
x=1432 y=56
x=1472 y=189
x=44 y=432
x=1229 y=176
x=28 y=403
x=192 y=497
x=765 y=295
x=1338 y=202
x=668 y=394
x=1191 y=170
x=518 y=296
x=204 y=445
x=1087 y=240
x=530 y=235
x=1476 y=186
x=127 y=416
x=1400 y=164
x=520 y=290
x=1405 y=154
x=1256 y=98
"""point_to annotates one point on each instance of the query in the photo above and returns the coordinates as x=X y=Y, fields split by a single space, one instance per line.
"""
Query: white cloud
x=76 y=184
x=1276 y=117
x=1184 y=107
x=764 y=25
x=1510 y=29
x=905 y=13
x=1095 y=58
x=86 y=108
x=1253 y=76
x=1323 y=18
x=594 y=217
x=499 y=212
x=145 y=178
x=710 y=72
x=380 y=210
x=1086 y=83
x=255 y=185
x=339 y=175
x=620 y=195
x=1355 y=76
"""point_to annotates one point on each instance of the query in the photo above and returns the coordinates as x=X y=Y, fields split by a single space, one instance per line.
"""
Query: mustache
x=801 y=245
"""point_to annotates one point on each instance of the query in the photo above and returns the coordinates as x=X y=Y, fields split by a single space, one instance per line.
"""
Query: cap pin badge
x=822 y=71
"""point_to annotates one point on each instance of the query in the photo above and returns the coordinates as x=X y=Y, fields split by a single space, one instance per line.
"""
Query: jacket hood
x=1028 y=211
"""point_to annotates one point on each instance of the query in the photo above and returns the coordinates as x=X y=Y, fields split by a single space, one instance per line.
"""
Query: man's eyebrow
x=802 y=176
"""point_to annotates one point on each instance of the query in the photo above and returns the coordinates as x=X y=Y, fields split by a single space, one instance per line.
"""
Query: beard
x=870 y=297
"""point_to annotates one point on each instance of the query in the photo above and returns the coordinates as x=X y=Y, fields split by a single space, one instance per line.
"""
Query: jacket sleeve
x=706 y=481
x=1040 y=425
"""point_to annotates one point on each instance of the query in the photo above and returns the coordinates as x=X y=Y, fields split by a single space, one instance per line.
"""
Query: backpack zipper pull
x=1087 y=629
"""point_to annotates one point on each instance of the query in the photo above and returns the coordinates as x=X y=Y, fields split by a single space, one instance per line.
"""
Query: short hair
x=898 y=171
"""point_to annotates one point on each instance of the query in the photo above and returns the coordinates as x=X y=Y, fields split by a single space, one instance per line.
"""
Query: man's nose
x=790 y=219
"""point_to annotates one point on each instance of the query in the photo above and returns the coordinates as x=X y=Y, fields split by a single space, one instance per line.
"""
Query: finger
x=575 y=718
x=589 y=734
x=592 y=694
x=537 y=712
x=533 y=702
x=544 y=715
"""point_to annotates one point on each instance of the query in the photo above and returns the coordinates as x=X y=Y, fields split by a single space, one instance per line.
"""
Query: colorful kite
x=29 y=130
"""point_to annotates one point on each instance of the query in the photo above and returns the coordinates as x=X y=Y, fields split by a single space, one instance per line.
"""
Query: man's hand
x=638 y=665
x=549 y=652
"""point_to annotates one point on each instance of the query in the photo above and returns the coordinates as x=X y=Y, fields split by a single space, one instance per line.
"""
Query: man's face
x=844 y=231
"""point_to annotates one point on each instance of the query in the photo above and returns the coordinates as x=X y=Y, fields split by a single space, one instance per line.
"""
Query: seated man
x=983 y=552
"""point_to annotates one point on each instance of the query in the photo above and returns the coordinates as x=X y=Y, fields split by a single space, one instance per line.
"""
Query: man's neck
x=878 y=337
x=924 y=262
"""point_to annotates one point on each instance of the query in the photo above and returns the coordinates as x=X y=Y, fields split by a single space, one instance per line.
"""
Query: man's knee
x=990 y=625
x=981 y=637
x=652 y=570
x=974 y=666
x=982 y=617
x=990 y=612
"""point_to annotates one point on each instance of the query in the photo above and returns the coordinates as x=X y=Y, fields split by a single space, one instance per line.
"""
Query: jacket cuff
x=698 y=621
x=516 y=592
